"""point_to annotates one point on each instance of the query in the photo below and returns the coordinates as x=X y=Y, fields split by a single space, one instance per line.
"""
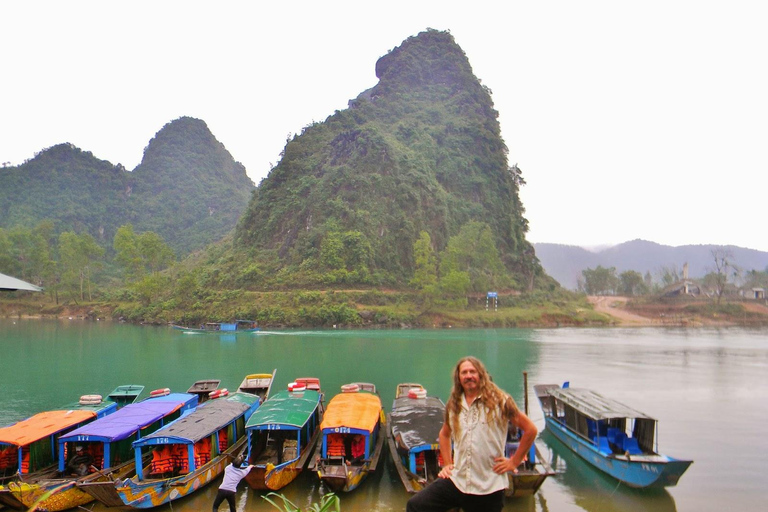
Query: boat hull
x=634 y=471
x=273 y=478
x=153 y=493
x=343 y=478
x=51 y=497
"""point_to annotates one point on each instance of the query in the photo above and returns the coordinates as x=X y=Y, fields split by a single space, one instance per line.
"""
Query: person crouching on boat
x=232 y=476
x=477 y=416
x=80 y=463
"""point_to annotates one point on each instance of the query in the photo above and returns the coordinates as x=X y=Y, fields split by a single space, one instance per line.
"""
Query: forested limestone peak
x=420 y=151
x=188 y=189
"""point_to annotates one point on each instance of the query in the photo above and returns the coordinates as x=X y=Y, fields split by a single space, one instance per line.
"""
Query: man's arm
x=444 y=442
x=524 y=423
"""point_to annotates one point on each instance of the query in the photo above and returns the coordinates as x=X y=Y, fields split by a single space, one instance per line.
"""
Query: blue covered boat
x=611 y=436
x=28 y=448
x=234 y=327
x=188 y=453
x=107 y=443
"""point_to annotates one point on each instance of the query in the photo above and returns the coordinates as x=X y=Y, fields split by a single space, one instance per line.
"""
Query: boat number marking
x=273 y=427
x=342 y=430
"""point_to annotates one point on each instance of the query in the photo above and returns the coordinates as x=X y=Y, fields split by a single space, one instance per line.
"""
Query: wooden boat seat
x=290 y=449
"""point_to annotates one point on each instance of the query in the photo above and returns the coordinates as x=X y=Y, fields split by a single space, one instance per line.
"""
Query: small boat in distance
x=234 y=327
x=611 y=436
x=203 y=389
x=258 y=384
x=350 y=446
x=282 y=435
x=412 y=435
x=125 y=394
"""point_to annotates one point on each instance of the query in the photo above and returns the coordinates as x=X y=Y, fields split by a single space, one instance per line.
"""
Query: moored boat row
x=142 y=454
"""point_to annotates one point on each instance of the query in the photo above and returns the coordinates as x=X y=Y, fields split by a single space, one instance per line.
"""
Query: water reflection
x=595 y=491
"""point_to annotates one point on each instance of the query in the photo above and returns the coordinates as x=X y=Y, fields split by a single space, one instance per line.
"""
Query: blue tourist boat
x=188 y=453
x=107 y=442
x=28 y=448
x=234 y=327
x=611 y=436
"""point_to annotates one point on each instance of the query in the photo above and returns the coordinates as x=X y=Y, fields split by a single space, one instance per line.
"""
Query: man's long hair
x=498 y=404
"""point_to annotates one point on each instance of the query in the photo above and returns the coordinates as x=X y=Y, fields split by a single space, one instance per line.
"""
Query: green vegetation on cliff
x=420 y=151
x=188 y=189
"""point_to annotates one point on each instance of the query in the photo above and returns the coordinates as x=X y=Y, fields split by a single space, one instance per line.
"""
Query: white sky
x=628 y=119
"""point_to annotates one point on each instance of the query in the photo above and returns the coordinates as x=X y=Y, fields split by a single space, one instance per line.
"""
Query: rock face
x=420 y=151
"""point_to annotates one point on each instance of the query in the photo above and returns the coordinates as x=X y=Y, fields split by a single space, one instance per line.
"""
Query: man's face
x=469 y=377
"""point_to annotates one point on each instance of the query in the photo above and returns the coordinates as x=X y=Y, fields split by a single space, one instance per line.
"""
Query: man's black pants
x=442 y=495
x=224 y=495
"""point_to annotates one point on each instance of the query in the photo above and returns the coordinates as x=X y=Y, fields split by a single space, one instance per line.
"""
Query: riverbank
x=391 y=309
x=370 y=309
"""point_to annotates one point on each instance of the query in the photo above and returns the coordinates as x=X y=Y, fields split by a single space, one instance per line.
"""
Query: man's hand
x=446 y=471
x=503 y=465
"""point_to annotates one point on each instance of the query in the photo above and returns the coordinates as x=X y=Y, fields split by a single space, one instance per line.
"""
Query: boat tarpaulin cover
x=595 y=405
x=353 y=410
x=126 y=421
x=42 y=425
x=206 y=419
x=417 y=421
x=285 y=408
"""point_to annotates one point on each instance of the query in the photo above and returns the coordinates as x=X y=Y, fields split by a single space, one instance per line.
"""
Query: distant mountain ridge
x=565 y=262
x=187 y=188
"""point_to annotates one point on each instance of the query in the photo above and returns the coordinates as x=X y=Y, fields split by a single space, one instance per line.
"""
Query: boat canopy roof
x=353 y=410
x=203 y=421
x=285 y=408
x=595 y=405
x=130 y=419
x=42 y=425
x=417 y=421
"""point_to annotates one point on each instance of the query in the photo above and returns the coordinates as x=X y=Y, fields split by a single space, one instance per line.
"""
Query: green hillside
x=420 y=151
x=188 y=189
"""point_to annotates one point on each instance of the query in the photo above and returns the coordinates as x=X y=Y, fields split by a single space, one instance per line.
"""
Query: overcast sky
x=628 y=119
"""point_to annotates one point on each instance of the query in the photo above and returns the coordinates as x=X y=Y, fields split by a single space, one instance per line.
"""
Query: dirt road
x=614 y=307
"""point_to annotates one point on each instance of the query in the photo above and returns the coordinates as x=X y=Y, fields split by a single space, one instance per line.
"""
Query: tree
x=127 y=253
x=632 y=283
x=723 y=265
x=139 y=254
x=600 y=281
x=155 y=253
x=669 y=275
x=425 y=270
x=79 y=256
x=473 y=251
x=425 y=262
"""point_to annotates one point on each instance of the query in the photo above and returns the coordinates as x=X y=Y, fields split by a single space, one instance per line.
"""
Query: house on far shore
x=757 y=294
x=682 y=288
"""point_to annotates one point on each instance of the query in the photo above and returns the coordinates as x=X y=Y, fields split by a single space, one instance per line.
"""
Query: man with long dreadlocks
x=477 y=417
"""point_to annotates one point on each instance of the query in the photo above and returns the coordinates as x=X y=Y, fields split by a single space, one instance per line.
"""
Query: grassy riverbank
x=322 y=309
x=396 y=309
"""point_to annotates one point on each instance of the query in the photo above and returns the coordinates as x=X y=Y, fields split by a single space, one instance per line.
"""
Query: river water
x=707 y=387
